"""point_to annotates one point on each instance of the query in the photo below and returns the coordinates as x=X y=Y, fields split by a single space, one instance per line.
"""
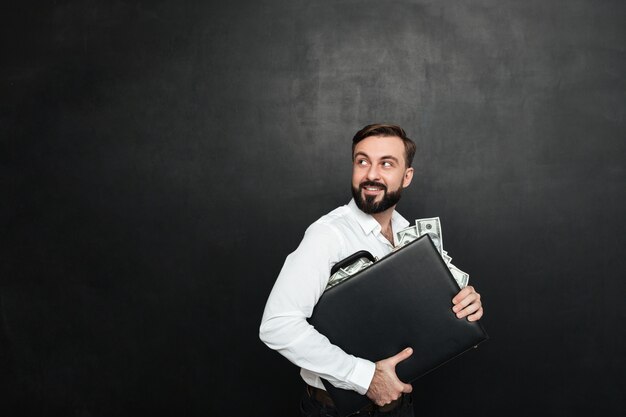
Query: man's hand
x=467 y=304
x=385 y=386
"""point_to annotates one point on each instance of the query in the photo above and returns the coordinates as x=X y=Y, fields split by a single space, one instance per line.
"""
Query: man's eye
x=362 y=162
x=387 y=164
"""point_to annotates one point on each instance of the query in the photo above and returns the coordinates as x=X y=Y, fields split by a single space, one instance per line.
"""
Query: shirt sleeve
x=298 y=287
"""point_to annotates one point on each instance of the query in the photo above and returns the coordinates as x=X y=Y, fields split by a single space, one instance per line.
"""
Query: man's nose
x=372 y=173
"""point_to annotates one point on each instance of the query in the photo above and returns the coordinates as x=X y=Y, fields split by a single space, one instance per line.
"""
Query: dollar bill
x=432 y=227
x=337 y=278
x=360 y=264
x=462 y=278
x=344 y=273
x=406 y=235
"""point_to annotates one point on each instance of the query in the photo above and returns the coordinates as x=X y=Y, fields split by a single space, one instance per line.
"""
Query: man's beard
x=367 y=204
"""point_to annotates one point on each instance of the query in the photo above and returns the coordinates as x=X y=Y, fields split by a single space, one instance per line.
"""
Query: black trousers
x=310 y=407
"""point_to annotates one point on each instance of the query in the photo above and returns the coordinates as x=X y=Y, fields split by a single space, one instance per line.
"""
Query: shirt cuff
x=362 y=375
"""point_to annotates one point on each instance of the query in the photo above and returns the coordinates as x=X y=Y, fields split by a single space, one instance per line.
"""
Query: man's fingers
x=471 y=298
x=465 y=302
x=472 y=308
x=400 y=356
x=462 y=294
x=476 y=316
x=408 y=388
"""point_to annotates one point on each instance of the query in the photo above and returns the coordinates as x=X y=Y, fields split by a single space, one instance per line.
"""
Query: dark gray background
x=160 y=159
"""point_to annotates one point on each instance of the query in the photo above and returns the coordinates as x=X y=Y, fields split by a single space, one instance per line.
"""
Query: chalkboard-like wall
x=159 y=160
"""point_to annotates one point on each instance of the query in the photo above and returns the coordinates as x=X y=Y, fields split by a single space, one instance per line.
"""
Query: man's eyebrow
x=390 y=157
x=361 y=153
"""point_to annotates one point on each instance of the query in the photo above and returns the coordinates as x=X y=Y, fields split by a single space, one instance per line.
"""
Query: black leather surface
x=403 y=300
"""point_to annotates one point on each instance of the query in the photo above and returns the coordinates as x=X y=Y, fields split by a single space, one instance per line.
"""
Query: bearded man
x=382 y=155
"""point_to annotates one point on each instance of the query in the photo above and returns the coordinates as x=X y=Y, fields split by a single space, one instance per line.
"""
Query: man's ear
x=408 y=177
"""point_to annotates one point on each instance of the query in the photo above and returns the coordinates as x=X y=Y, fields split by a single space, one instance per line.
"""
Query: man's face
x=379 y=173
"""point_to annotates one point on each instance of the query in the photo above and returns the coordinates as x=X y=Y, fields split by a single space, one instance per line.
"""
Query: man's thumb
x=402 y=355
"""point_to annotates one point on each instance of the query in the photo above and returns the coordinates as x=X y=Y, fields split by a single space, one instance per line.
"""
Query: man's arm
x=284 y=327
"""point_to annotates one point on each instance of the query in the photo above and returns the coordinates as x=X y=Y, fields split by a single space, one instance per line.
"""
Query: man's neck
x=384 y=219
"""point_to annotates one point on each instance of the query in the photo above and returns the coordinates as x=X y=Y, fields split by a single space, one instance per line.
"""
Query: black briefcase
x=402 y=300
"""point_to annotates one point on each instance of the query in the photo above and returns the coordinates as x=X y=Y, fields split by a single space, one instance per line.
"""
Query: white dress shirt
x=300 y=284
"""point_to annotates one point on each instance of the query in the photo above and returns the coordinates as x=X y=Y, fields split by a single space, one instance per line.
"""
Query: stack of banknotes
x=429 y=226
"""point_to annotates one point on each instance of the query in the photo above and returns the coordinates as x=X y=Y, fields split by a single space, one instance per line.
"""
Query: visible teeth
x=371 y=189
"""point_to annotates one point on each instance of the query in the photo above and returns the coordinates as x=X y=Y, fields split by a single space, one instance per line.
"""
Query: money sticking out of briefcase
x=402 y=300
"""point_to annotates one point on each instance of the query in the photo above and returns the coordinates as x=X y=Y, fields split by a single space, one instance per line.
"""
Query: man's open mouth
x=370 y=188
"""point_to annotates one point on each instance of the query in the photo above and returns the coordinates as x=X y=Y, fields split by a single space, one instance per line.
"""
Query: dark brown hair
x=380 y=129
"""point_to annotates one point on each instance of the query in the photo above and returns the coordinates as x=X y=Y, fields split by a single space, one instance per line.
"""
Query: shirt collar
x=369 y=223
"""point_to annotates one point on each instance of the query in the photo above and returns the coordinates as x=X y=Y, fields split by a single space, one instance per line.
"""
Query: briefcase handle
x=352 y=259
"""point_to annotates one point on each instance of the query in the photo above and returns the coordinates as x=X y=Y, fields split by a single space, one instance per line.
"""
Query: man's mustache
x=372 y=184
